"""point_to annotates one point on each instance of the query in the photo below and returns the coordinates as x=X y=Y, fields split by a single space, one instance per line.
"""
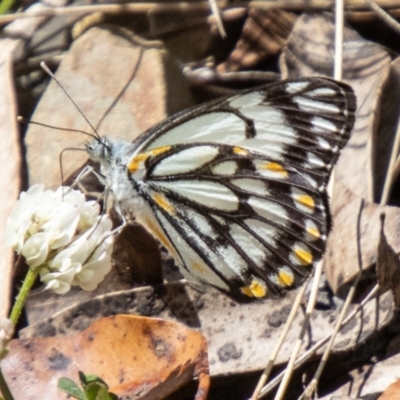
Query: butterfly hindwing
x=236 y=189
x=249 y=222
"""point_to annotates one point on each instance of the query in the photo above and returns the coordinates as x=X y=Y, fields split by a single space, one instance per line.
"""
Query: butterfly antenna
x=58 y=128
x=47 y=70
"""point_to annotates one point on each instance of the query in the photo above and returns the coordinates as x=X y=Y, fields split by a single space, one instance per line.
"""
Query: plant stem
x=15 y=314
x=6 y=5
x=23 y=294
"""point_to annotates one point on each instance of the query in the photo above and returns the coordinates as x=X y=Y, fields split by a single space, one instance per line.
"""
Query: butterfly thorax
x=113 y=157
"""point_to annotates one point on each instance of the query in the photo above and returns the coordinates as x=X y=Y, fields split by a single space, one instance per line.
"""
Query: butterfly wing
x=236 y=189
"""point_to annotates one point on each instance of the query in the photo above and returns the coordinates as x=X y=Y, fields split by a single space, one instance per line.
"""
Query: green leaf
x=69 y=386
x=105 y=395
x=86 y=379
x=92 y=390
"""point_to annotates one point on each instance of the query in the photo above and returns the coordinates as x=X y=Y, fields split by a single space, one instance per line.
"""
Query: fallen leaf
x=264 y=34
x=388 y=265
x=146 y=358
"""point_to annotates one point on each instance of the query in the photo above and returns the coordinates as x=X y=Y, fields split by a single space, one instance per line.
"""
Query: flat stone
x=122 y=87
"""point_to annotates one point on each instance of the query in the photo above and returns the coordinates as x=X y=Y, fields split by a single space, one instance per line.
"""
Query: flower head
x=62 y=235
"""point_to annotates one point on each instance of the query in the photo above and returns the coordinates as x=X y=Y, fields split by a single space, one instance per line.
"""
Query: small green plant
x=93 y=388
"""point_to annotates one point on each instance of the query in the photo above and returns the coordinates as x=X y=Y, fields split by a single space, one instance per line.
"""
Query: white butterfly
x=235 y=189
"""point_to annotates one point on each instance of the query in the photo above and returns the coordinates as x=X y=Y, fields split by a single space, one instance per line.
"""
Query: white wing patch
x=202 y=224
x=206 y=193
x=191 y=259
x=315 y=106
x=265 y=231
x=270 y=125
x=225 y=168
x=247 y=100
x=249 y=185
x=269 y=210
x=321 y=125
x=314 y=160
x=185 y=160
x=215 y=127
x=295 y=87
x=249 y=244
x=322 y=92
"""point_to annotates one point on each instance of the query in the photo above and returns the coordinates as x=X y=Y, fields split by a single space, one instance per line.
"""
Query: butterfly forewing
x=236 y=188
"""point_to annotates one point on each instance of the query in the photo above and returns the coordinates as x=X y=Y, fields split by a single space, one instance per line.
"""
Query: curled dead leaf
x=146 y=358
x=388 y=265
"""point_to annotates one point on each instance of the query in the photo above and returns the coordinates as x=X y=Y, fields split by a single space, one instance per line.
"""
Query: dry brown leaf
x=341 y=256
x=264 y=34
x=383 y=143
x=388 y=264
x=136 y=356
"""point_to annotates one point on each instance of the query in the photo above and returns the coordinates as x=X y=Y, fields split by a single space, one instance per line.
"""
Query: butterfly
x=235 y=189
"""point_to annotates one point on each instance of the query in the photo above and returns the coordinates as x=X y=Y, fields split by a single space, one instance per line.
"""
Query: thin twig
x=109 y=9
x=391 y=168
x=281 y=340
x=305 y=356
x=217 y=16
x=384 y=16
x=299 y=5
x=312 y=386
x=339 y=23
x=296 y=348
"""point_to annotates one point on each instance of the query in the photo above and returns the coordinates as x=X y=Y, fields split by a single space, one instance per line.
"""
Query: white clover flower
x=6 y=333
x=62 y=235
x=84 y=262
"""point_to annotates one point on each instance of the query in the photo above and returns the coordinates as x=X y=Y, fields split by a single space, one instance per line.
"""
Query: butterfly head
x=99 y=150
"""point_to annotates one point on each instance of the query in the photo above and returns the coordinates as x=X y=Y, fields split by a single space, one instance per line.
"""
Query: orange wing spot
x=240 y=151
x=256 y=288
x=306 y=200
x=134 y=164
x=164 y=203
x=305 y=257
x=314 y=232
x=285 y=278
x=159 y=150
x=275 y=167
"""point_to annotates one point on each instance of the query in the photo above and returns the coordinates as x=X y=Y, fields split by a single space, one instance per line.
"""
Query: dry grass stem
x=281 y=340
x=309 y=353
x=310 y=307
x=217 y=16
x=312 y=386
x=299 y=5
x=383 y=15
